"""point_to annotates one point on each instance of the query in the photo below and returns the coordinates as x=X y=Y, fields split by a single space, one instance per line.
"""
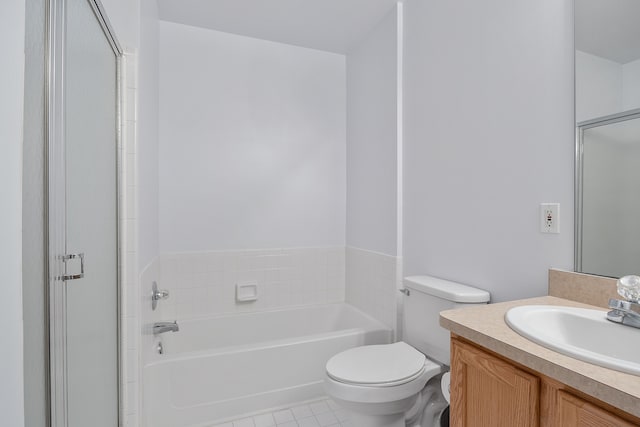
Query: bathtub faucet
x=161 y=327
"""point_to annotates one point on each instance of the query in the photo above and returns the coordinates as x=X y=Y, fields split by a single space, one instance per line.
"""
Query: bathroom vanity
x=500 y=378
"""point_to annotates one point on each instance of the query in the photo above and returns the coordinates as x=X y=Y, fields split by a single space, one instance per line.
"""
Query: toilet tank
x=427 y=297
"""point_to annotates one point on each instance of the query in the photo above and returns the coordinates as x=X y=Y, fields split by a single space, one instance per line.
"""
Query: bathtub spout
x=161 y=327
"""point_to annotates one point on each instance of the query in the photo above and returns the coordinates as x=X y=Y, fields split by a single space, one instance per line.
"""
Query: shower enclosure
x=82 y=215
x=607 y=196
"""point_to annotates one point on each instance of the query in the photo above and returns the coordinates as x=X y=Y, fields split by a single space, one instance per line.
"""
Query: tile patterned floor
x=321 y=413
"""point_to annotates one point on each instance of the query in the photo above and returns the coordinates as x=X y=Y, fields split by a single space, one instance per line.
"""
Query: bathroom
x=422 y=143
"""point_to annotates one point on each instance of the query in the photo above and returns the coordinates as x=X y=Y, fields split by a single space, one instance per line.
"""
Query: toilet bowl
x=379 y=384
x=404 y=383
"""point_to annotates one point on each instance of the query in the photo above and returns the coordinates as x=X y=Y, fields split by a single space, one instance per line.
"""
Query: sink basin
x=580 y=333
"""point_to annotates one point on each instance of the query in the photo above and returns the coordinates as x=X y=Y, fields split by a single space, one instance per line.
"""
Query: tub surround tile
x=130 y=135
x=585 y=288
x=149 y=342
x=132 y=366
x=130 y=97
x=131 y=419
x=202 y=284
x=130 y=343
x=372 y=281
x=131 y=391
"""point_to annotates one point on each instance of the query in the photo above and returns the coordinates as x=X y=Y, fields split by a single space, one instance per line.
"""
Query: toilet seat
x=387 y=365
x=389 y=375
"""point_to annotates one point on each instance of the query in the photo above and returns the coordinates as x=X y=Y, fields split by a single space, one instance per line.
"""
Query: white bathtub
x=217 y=368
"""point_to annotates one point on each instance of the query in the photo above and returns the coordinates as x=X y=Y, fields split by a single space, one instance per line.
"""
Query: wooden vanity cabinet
x=574 y=411
x=490 y=391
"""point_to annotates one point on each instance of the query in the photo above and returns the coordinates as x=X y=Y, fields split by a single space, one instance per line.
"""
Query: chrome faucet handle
x=160 y=294
x=629 y=288
x=157 y=295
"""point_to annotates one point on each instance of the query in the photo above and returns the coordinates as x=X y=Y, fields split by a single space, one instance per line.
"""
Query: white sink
x=580 y=333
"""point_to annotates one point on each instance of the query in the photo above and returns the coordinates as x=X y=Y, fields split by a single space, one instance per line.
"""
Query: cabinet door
x=489 y=392
x=574 y=412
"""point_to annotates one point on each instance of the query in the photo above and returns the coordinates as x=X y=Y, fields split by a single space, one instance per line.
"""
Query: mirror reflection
x=607 y=57
x=610 y=200
x=608 y=137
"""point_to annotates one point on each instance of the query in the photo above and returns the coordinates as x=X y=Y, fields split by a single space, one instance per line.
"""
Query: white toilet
x=404 y=383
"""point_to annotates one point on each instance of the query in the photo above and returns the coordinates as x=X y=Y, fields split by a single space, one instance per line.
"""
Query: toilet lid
x=389 y=364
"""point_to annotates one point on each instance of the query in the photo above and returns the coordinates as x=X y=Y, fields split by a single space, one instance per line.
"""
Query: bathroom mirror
x=607 y=41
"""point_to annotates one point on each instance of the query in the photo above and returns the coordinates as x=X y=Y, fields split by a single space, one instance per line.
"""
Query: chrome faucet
x=626 y=312
x=162 y=327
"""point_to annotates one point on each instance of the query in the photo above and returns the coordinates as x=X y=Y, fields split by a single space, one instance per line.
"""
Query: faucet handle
x=629 y=288
x=157 y=295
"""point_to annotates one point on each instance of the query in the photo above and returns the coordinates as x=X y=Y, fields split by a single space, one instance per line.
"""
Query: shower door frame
x=55 y=209
x=579 y=171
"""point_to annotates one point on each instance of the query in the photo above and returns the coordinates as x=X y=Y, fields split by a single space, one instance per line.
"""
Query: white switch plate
x=550 y=218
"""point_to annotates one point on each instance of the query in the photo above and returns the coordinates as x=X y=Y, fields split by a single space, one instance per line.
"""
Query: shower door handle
x=68 y=257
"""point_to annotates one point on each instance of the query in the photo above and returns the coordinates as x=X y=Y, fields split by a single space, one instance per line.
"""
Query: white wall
x=12 y=33
x=252 y=143
x=488 y=136
x=124 y=16
x=631 y=85
x=598 y=86
x=33 y=218
x=147 y=147
x=372 y=102
x=605 y=87
x=372 y=264
x=371 y=284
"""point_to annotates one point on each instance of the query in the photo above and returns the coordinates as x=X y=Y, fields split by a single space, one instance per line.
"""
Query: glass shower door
x=609 y=202
x=84 y=354
x=91 y=223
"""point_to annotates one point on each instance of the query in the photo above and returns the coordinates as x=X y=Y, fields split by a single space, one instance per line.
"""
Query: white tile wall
x=130 y=319
x=372 y=281
x=203 y=283
x=147 y=344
